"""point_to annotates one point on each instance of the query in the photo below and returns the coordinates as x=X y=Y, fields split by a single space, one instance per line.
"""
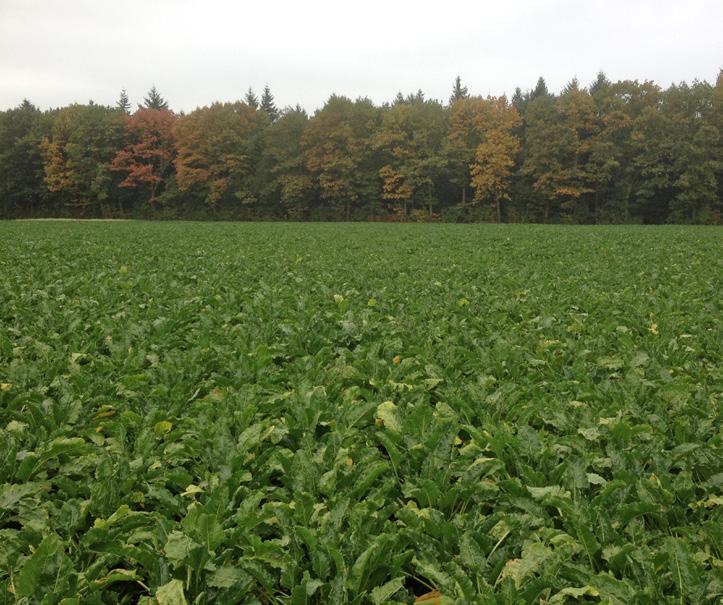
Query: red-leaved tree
x=148 y=157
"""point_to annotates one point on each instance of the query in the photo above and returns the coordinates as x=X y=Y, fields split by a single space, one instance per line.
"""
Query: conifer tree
x=251 y=99
x=123 y=103
x=458 y=91
x=154 y=100
x=540 y=89
x=268 y=105
x=518 y=99
x=601 y=82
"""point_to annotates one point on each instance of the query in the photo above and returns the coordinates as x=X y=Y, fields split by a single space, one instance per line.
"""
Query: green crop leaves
x=363 y=414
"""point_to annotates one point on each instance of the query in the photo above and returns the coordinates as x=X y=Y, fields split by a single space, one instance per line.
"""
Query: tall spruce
x=267 y=104
x=601 y=83
x=123 y=103
x=251 y=99
x=154 y=100
x=540 y=89
x=458 y=91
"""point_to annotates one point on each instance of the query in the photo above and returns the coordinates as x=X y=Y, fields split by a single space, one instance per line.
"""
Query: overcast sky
x=59 y=52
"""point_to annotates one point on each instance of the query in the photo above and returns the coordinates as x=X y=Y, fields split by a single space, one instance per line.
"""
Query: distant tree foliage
x=611 y=152
x=218 y=150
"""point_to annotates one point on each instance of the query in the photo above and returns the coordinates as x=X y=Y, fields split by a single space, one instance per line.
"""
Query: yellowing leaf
x=162 y=427
x=387 y=413
x=562 y=597
x=596 y=479
x=711 y=502
x=192 y=490
x=533 y=555
x=171 y=594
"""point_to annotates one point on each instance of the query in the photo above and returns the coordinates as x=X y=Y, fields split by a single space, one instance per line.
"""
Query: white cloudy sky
x=55 y=52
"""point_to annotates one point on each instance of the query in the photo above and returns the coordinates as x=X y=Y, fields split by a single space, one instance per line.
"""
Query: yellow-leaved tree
x=482 y=147
x=495 y=155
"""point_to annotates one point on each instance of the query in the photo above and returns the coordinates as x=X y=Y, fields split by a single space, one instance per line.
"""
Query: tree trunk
x=6 y=204
x=464 y=195
x=597 y=207
x=547 y=210
x=499 y=211
x=152 y=201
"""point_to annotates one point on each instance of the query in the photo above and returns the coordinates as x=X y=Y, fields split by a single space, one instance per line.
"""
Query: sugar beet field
x=349 y=413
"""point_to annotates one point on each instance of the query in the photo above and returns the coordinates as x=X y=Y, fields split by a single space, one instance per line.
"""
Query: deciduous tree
x=481 y=147
x=147 y=159
x=558 y=133
x=21 y=163
x=338 y=150
x=77 y=155
x=287 y=181
x=410 y=140
x=218 y=148
x=495 y=155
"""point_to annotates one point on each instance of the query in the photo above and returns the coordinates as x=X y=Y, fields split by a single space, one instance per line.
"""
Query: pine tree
x=519 y=100
x=251 y=99
x=267 y=104
x=572 y=86
x=458 y=91
x=540 y=90
x=123 y=103
x=417 y=97
x=601 y=82
x=154 y=100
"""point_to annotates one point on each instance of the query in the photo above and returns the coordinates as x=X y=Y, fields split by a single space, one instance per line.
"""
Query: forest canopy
x=610 y=152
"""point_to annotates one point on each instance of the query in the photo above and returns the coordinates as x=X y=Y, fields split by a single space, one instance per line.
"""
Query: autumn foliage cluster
x=608 y=153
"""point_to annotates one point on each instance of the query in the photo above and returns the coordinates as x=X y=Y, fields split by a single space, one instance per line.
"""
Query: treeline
x=609 y=153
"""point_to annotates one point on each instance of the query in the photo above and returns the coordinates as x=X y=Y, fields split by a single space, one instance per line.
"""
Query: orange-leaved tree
x=147 y=159
x=218 y=148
